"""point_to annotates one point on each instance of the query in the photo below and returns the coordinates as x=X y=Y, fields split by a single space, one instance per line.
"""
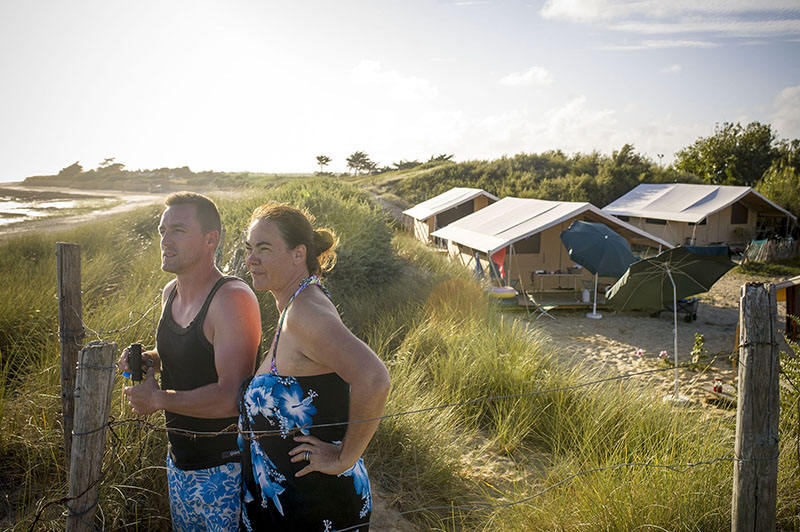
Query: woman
x=299 y=476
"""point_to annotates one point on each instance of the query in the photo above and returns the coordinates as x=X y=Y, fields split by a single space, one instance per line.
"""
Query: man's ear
x=212 y=238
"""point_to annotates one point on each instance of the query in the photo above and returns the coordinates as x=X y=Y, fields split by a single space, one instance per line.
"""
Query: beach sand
x=610 y=344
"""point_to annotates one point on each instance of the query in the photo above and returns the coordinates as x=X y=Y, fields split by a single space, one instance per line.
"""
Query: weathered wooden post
x=755 y=470
x=93 y=386
x=70 y=331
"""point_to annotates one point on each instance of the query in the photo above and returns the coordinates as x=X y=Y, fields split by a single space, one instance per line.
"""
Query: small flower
x=639 y=352
x=663 y=354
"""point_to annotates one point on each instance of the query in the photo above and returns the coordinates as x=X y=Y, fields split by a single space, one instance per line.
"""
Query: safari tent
x=439 y=211
x=702 y=215
x=522 y=236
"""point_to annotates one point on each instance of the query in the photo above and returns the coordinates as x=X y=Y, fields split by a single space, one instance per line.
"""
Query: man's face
x=183 y=243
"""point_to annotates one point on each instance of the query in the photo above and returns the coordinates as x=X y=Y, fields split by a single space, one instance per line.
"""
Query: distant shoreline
x=60 y=223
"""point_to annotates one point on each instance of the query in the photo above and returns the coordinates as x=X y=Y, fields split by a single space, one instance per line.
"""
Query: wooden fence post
x=70 y=330
x=755 y=470
x=93 y=386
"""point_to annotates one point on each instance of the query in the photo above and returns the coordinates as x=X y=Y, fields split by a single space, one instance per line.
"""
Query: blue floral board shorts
x=205 y=499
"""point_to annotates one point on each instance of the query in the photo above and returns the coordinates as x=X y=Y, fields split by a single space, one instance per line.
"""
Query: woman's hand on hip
x=319 y=456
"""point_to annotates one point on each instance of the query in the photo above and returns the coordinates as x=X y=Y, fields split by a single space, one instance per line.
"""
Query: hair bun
x=323 y=240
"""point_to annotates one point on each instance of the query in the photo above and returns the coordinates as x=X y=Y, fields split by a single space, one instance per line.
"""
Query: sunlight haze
x=267 y=86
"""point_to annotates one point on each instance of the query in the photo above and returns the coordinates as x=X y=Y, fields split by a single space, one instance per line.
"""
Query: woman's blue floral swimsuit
x=272 y=497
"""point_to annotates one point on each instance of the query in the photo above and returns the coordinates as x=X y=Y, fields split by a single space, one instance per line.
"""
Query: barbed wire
x=254 y=434
x=115 y=439
x=131 y=323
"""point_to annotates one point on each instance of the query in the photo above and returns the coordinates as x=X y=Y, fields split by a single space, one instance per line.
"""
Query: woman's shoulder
x=311 y=308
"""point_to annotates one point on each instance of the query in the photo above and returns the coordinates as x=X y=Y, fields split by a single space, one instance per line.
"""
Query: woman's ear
x=299 y=254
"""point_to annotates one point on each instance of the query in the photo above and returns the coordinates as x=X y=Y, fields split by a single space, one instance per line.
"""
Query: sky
x=267 y=86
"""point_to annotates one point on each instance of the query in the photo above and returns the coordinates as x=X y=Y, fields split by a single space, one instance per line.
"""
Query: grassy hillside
x=518 y=426
x=553 y=175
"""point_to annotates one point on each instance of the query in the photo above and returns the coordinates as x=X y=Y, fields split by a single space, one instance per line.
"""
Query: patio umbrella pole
x=594 y=313
x=674 y=329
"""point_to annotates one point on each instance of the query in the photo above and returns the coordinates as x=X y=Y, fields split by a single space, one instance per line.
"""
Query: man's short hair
x=205 y=209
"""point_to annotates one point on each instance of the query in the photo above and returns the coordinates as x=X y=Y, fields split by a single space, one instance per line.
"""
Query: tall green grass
x=444 y=344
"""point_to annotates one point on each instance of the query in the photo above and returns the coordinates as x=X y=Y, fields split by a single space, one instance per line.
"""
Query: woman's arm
x=323 y=338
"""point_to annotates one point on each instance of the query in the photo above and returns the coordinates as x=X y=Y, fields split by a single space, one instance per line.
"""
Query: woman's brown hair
x=295 y=227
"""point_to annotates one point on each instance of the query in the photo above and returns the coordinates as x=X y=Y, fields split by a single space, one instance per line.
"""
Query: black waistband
x=206 y=462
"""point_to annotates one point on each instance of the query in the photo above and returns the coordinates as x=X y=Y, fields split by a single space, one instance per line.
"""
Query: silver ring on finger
x=308 y=456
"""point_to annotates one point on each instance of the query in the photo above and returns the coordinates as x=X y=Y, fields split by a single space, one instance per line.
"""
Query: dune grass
x=444 y=344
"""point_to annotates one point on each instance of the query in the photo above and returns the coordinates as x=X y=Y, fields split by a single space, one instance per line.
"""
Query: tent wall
x=552 y=256
x=482 y=201
x=718 y=229
x=423 y=229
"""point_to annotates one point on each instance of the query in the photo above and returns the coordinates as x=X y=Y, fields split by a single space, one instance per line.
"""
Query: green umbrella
x=652 y=284
x=599 y=249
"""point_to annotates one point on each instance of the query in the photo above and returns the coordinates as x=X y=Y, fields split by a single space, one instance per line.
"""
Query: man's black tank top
x=187 y=362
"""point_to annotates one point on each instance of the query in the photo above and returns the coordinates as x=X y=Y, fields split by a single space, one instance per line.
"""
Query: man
x=206 y=345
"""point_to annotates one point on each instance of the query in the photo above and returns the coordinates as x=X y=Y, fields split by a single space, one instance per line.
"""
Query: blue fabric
x=273 y=497
x=205 y=499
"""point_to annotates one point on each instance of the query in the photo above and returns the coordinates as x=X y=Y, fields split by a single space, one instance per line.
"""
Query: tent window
x=655 y=221
x=449 y=216
x=624 y=218
x=701 y=222
x=529 y=245
x=738 y=214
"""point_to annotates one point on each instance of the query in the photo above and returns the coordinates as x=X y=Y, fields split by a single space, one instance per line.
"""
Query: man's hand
x=149 y=359
x=143 y=398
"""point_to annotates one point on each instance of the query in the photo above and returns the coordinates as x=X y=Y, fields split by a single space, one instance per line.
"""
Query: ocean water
x=18 y=208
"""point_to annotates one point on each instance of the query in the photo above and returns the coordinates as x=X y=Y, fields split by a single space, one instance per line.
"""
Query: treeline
x=733 y=155
x=552 y=175
x=113 y=175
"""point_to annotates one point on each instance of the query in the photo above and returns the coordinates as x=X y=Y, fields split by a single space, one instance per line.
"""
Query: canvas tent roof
x=512 y=219
x=682 y=202
x=447 y=200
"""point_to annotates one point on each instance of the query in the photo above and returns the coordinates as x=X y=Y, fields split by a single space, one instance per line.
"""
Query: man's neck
x=196 y=283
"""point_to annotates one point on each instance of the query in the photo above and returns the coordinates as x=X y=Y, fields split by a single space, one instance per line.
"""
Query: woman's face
x=271 y=263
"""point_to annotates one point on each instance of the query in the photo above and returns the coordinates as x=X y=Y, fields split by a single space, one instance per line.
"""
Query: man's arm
x=233 y=326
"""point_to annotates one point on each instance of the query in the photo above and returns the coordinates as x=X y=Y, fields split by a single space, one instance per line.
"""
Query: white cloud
x=660 y=44
x=672 y=69
x=725 y=26
x=535 y=76
x=599 y=10
x=786 y=119
x=736 y=18
x=371 y=75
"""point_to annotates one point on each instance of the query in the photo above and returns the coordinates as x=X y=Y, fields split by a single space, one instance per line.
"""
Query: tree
x=360 y=161
x=733 y=155
x=781 y=182
x=406 y=165
x=71 y=171
x=323 y=161
x=442 y=157
x=620 y=174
